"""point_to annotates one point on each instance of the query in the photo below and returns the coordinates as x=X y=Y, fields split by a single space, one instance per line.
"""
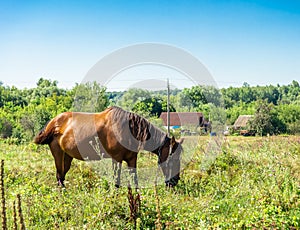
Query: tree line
x=276 y=109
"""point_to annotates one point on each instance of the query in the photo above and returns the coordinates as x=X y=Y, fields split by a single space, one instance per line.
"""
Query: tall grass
x=252 y=183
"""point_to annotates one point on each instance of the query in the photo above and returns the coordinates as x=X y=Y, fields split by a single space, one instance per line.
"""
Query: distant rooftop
x=182 y=118
x=242 y=121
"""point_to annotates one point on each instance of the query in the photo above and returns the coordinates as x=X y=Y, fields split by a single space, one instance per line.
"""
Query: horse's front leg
x=117 y=166
x=133 y=177
x=132 y=170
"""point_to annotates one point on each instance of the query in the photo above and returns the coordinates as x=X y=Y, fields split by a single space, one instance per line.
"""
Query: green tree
x=153 y=106
x=45 y=88
x=132 y=96
x=212 y=95
x=231 y=96
x=12 y=96
x=192 y=98
x=289 y=114
x=90 y=97
x=266 y=120
x=261 y=122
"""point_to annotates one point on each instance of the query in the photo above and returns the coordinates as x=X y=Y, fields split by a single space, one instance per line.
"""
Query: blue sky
x=238 y=41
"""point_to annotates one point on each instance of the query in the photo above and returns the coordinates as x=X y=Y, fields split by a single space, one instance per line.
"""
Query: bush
x=6 y=128
x=294 y=128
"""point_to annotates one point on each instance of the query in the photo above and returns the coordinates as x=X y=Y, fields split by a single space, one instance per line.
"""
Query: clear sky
x=238 y=41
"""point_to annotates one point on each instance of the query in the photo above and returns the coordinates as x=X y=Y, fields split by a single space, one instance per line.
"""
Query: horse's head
x=169 y=160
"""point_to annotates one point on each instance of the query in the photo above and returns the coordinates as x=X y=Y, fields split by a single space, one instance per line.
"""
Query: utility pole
x=168 y=106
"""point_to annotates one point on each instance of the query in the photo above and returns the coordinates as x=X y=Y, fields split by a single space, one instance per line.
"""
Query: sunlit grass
x=252 y=182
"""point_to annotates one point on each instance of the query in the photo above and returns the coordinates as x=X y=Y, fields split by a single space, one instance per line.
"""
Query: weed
x=3 y=212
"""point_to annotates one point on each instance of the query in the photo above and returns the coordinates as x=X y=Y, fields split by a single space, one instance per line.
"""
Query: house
x=178 y=119
x=242 y=121
x=241 y=124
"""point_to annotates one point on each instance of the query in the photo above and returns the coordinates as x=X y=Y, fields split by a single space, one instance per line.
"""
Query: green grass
x=251 y=183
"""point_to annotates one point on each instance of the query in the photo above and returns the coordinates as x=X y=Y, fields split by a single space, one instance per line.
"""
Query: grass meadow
x=249 y=183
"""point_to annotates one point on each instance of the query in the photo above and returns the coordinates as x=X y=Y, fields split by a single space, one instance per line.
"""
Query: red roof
x=180 y=119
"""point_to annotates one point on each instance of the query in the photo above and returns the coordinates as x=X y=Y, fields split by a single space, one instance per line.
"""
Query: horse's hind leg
x=62 y=162
x=67 y=164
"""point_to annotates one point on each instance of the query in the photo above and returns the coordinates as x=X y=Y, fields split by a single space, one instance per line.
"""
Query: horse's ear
x=173 y=141
x=180 y=141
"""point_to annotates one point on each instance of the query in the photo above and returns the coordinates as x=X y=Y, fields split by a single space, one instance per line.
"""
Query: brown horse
x=112 y=133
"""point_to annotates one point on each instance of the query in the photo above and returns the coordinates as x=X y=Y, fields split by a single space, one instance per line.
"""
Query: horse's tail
x=45 y=136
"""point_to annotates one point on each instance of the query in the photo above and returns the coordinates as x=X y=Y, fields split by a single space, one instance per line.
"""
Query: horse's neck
x=156 y=140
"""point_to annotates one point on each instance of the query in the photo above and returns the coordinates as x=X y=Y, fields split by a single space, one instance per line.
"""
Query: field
x=251 y=183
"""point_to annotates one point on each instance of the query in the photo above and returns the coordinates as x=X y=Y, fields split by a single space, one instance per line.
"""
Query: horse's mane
x=140 y=128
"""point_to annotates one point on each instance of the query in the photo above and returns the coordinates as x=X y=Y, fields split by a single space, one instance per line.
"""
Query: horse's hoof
x=61 y=184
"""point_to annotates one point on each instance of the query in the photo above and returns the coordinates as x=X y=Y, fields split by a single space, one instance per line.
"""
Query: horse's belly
x=87 y=149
